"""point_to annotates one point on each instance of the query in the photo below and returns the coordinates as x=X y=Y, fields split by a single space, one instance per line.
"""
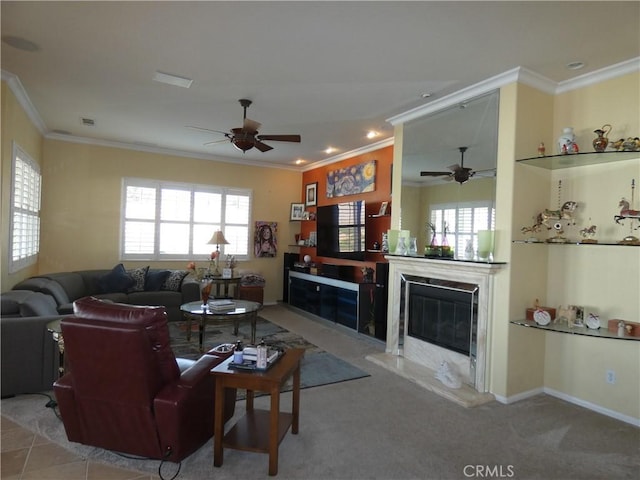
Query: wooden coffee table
x=259 y=430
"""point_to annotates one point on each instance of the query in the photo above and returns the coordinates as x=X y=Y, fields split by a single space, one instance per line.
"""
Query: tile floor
x=28 y=456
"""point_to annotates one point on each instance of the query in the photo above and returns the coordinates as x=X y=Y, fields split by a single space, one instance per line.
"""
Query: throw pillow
x=115 y=281
x=174 y=280
x=155 y=280
x=139 y=276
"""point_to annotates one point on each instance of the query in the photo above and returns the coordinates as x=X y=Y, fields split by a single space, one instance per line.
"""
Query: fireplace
x=439 y=310
x=442 y=312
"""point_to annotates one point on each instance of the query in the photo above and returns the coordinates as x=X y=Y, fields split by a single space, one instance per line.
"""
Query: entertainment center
x=359 y=306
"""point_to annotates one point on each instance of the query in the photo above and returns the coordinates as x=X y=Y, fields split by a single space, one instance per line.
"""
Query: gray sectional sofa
x=29 y=355
x=170 y=288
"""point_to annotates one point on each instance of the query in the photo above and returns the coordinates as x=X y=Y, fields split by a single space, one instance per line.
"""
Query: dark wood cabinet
x=346 y=303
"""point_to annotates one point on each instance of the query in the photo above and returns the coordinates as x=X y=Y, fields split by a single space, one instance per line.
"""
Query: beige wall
x=82 y=197
x=604 y=279
x=15 y=127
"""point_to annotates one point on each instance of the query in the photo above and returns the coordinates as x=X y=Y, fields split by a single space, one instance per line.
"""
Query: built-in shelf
x=556 y=162
x=602 y=332
x=617 y=244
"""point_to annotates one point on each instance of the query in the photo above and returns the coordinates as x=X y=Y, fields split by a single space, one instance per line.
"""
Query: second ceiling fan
x=246 y=137
x=459 y=173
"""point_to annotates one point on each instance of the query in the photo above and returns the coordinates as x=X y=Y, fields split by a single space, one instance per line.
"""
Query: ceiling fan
x=246 y=137
x=459 y=173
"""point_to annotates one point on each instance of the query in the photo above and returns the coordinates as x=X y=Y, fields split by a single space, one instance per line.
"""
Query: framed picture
x=311 y=197
x=297 y=211
x=383 y=208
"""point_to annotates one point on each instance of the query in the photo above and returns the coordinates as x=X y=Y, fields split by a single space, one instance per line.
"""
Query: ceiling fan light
x=242 y=144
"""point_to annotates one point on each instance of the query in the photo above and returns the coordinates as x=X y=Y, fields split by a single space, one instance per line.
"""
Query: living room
x=81 y=206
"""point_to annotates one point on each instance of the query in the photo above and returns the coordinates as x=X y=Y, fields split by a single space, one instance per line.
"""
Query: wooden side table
x=226 y=283
x=259 y=430
x=56 y=332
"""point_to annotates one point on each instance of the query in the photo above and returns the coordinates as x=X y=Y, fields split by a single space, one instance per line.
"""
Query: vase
x=566 y=141
x=433 y=249
x=413 y=246
x=401 y=248
x=206 y=284
x=601 y=141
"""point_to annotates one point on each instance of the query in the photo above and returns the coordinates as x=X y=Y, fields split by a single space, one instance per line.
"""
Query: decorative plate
x=542 y=317
x=593 y=321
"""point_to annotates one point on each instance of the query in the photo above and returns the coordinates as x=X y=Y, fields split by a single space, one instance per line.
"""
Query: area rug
x=316 y=368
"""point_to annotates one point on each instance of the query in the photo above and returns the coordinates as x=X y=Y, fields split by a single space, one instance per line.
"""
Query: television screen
x=341 y=230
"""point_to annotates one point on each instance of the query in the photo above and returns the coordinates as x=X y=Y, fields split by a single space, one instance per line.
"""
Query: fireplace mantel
x=478 y=273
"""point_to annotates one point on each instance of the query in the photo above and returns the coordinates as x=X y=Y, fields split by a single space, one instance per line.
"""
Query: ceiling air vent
x=88 y=122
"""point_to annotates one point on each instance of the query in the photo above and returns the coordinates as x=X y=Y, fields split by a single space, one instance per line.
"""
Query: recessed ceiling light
x=299 y=161
x=426 y=95
x=575 y=65
x=20 y=43
x=88 y=122
x=171 y=79
x=330 y=150
x=372 y=134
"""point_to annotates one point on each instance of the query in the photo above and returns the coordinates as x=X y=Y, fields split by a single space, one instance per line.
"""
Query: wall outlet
x=611 y=377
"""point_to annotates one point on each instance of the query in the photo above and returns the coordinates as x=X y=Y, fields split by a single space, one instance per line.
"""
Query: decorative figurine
x=541 y=149
x=533 y=229
x=588 y=233
x=626 y=212
x=601 y=141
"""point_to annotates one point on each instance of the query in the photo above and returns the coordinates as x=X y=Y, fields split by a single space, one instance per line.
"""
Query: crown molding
x=163 y=151
x=521 y=75
x=607 y=73
x=351 y=153
x=23 y=99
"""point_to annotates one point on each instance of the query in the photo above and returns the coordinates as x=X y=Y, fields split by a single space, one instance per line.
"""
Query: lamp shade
x=218 y=238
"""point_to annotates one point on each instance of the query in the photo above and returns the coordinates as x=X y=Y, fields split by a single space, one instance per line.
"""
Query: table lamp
x=217 y=239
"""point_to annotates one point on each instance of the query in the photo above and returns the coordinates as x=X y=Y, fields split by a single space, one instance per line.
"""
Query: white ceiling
x=329 y=71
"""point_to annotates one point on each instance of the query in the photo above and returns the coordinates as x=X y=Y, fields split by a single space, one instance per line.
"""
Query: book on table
x=222 y=305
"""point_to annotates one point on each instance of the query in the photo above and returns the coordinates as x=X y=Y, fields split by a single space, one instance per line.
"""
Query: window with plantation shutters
x=24 y=228
x=462 y=221
x=172 y=221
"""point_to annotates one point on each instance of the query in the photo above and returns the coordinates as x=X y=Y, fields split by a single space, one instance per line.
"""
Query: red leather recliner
x=125 y=391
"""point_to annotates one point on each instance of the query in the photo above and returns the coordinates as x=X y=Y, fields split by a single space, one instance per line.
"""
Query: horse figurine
x=535 y=228
x=588 y=233
x=626 y=212
x=565 y=213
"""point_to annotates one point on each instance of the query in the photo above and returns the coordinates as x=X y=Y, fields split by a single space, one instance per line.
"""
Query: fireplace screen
x=443 y=313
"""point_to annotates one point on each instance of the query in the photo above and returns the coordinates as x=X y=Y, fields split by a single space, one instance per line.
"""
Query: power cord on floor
x=53 y=405
x=162 y=462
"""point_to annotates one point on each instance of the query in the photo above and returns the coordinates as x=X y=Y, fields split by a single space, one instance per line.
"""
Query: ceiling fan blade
x=215 y=142
x=263 y=147
x=434 y=174
x=280 y=138
x=250 y=125
x=205 y=129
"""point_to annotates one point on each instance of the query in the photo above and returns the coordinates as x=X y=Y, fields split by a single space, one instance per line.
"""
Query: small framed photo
x=297 y=211
x=311 y=196
x=306 y=216
x=383 y=208
x=227 y=273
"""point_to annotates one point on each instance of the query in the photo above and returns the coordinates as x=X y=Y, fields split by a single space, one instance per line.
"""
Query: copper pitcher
x=601 y=141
